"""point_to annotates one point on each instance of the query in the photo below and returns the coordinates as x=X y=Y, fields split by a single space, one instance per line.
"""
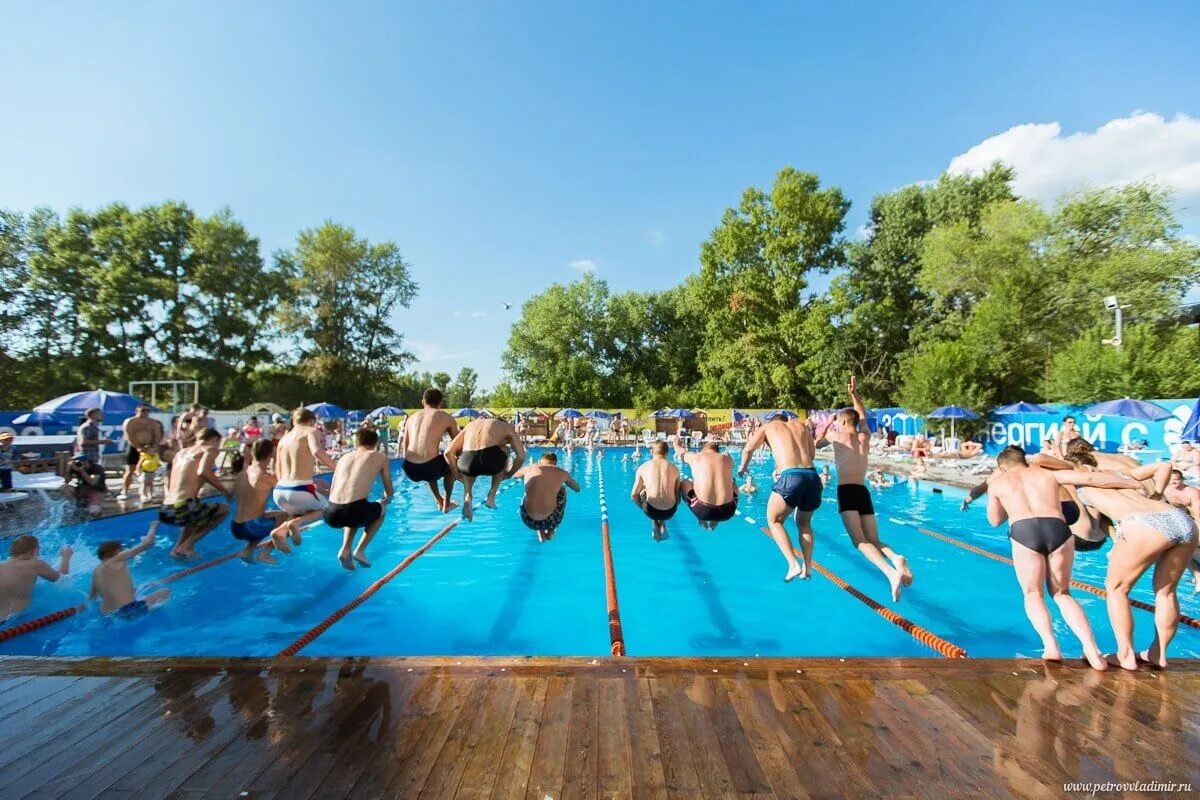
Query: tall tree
x=342 y=293
x=463 y=389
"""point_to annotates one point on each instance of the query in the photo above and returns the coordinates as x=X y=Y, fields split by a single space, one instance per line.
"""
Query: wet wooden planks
x=574 y=728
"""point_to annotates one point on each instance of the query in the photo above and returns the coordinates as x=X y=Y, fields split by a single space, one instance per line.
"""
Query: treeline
x=959 y=292
x=99 y=298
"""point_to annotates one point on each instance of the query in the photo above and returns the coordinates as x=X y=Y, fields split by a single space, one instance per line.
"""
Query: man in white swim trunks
x=296 y=458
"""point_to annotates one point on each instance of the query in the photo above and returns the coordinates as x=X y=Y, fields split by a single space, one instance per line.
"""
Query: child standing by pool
x=545 y=500
x=113 y=584
x=22 y=569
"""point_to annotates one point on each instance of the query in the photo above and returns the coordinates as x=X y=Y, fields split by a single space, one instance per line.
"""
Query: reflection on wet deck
x=565 y=728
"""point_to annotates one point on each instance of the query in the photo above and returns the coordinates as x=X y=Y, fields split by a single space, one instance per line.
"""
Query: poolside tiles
x=543 y=728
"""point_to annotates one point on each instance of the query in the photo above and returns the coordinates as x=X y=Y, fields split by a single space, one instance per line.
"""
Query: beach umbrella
x=1192 y=430
x=782 y=414
x=676 y=413
x=388 y=411
x=952 y=413
x=1021 y=408
x=473 y=413
x=356 y=415
x=116 y=403
x=595 y=414
x=327 y=410
x=36 y=418
x=1128 y=407
x=569 y=413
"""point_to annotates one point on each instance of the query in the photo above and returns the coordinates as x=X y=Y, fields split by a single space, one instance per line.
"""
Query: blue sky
x=498 y=144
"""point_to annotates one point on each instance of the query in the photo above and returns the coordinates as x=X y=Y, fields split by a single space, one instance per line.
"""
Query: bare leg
x=854 y=526
x=157 y=598
x=437 y=496
x=1031 y=572
x=497 y=479
x=127 y=480
x=202 y=531
x=871 y=530
x=448 y=489
x=1130 y=557
x=344 y=553
x=468 y=507
x=807 y=539
x=1167 y=574
x=1059 y=581
x=291 y=528
x=360 y=552
x=777 y=512
x=185 y=533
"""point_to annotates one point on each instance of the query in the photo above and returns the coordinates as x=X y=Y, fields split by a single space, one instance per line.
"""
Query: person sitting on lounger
x=545 y=501
x=113 y=584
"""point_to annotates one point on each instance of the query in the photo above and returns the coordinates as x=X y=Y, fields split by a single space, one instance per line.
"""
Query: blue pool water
x=489 y=588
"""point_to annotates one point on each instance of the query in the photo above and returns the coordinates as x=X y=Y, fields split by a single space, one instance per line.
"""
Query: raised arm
x=823 y=429
x=752 y=444
x=145 y=544
x=858 y=406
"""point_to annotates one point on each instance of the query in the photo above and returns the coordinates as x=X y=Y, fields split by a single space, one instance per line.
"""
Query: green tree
x=342 y=292
x=754 y=271
x=1153 y=361
x=463 y=389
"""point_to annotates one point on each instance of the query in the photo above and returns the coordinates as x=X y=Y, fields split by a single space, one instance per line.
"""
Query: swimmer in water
x=20 y=571
x=113 y=584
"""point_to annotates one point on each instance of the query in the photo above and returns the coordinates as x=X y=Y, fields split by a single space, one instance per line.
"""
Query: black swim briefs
x=854 y=497
x=358 y=514
x=426 y=471
x=488 y=461
x=710 y=513
x=657 y=514
x=1040 y=534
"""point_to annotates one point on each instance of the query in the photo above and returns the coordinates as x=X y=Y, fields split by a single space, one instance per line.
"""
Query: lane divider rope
x=1098 y=591
x=942 y=647
x=616 y=635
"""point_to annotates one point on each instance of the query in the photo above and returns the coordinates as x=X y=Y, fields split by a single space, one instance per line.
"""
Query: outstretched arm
x=141 y=547
x=858 y=406
x=1046 y=461
x=570 y=481
x=1096 y=480
x=752 y=444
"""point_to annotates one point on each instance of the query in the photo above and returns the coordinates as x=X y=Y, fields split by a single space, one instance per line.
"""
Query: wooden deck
x=576 y=728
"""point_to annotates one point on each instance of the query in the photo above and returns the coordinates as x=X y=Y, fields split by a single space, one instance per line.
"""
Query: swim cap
x=149 y=463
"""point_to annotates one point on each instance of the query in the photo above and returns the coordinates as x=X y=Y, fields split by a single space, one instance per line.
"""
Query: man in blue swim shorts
x=797 y=489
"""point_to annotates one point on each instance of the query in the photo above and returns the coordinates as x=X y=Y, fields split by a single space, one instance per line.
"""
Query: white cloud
x=656 y=238
x=433 y=351
x=585 y=264
x=474 y=314
x=862 y=232
x=1132 y=148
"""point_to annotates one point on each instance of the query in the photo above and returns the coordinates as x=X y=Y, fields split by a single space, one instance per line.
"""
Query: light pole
x=1114 y=305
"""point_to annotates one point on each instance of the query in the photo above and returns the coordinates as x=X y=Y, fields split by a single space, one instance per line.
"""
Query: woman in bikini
x=1146 y=533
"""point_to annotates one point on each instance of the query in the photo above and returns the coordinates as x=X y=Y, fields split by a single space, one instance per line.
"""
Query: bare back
x=712 y=477
x=791 y=443
x=660 y=481
x=295 y=458
x=423 y=433
x=851 y=449
x=17 y=577
x=483 y=433
x=185 y=478
x=113 y=582
x=1026 y=493
x=355 y=475
x=252 y=489
x=542 y=482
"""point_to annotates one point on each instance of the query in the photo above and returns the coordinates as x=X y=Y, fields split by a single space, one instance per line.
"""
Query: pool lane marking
x=325 y=624
x=1086 y=587
x=616 y=635
x=939 y=645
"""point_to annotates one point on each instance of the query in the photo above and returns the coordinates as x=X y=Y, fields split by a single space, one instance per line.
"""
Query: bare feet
x=795 y=571
x=294 y=532
x=468 y=511
x=491 y=501
x=347 y=562
x=448 y=507
x=280 y=538
x=1152 y=659
x=906 y=576
x=267 y=558
x=362 y=560
x=1096 y=661
x=1129 y=665
x=897 y=582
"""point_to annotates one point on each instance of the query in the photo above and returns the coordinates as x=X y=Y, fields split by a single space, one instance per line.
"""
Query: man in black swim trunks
x=711 y=492
x=421 y=442
x=481 y=449
x=1043 y=548
x=847 y=431
x=348 y=507
x=656 y=489
x=798 y=488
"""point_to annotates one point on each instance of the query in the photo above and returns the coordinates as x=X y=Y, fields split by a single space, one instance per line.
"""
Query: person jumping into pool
x=252 y=523
x=296 y=492
x=711 y=492
x=20 y=571
x=797 y=489
x=478 y=450
x=545 y=500
x=1043 y=549
x=1180 y=495
x=421 y=444
x=191 y=468
x=113 y=584
x=656 y=489
x=349 y=508
x=847 y=431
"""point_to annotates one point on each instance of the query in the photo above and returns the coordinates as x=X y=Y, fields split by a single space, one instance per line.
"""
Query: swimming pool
x=489 y=588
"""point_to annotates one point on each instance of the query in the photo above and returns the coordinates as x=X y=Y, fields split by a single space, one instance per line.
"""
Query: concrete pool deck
x=588 y=728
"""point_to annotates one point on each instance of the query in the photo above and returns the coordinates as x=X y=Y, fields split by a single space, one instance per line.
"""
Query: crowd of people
x=1066 y=498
